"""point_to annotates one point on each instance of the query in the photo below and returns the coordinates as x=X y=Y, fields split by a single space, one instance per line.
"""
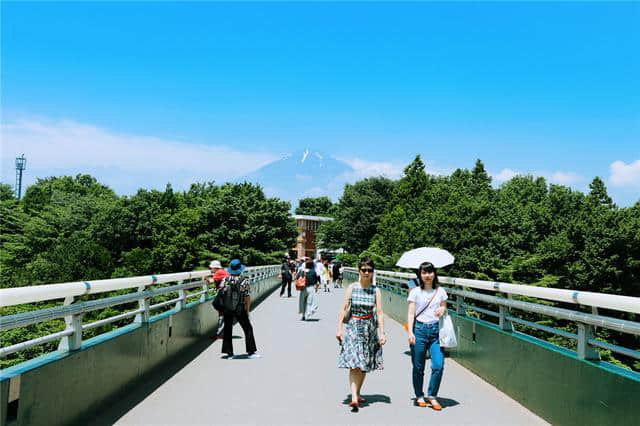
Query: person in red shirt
x=218 y=273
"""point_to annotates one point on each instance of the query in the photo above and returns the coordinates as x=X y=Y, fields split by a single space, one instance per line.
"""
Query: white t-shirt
x=422 y=297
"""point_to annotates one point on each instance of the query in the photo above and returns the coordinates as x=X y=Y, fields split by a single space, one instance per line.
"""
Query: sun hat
x=215 y=264
x=236 y=267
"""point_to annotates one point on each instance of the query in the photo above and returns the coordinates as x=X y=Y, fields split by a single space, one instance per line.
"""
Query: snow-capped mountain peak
x=299 y=174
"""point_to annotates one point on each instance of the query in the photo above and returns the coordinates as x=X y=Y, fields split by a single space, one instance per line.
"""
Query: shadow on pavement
x=312 y=320
x=117 y=406
x=369 y=399
x=447 y=402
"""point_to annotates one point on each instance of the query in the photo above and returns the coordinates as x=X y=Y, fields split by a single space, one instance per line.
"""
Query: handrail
x=73 y=312
x=586 y=298
x=40 y=293
x=586 y=322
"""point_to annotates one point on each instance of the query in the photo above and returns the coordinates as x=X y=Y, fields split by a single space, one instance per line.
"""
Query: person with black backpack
x=236 y=305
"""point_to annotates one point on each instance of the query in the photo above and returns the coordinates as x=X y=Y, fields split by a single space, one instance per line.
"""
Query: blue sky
x=139 y=94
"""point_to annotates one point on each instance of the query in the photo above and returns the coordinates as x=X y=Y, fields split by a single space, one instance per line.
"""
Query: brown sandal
x=421 y=403
x=435 y=404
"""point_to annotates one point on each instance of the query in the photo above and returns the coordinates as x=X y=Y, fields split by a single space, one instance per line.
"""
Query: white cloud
x=625 y=175
x=566 y=178
x=504 y=175
x=558 y=177
x=363 y=168
x=124 y=162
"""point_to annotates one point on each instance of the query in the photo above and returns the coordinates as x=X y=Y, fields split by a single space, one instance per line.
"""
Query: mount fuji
x=302 y=174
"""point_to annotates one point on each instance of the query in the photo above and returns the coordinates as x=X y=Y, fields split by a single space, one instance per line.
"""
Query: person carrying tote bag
x=429 y=300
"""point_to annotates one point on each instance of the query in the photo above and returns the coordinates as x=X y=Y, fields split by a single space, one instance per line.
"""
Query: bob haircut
x=427 y=266
x=366 y=261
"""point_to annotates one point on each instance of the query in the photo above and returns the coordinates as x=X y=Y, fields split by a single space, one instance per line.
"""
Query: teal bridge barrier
x=61 y=387
x=560 y=385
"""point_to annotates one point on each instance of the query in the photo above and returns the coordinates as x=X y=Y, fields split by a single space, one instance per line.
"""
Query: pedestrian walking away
x=308 y=301
x=427 y=303
x=335 y=275
x=362 y=336
x=237 y=305
x=285 y=275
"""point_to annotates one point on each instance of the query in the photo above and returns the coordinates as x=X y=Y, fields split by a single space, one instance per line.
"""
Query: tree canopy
x=319 y=206
x=74 y=228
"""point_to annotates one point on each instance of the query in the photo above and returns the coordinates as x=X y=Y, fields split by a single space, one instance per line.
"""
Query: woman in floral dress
x=363 y=336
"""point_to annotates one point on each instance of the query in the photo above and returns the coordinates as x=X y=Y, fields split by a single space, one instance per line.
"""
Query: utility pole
x=21 y=164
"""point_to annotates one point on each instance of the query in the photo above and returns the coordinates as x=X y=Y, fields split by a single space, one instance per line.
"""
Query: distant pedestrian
x=326 y=276
x=335 y=275
x=308 y=302
x=237 y=305
x=285 y=275
x=427 y=303
x=363 y=336
x=319 y=267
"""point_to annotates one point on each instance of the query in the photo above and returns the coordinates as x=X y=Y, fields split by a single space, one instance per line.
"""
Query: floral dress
x=360 y=345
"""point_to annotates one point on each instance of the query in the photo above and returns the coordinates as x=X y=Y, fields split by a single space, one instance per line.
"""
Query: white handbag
x=447 y=335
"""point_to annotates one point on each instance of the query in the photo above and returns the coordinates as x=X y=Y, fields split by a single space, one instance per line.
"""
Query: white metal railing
x=71 y=337
x=586 y=323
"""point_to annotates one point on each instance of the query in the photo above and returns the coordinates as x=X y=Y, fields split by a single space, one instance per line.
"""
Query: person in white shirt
x=319 y=267
x=427 y=303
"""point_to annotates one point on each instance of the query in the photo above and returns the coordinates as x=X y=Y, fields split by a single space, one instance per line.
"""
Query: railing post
x=205 y=288
x=74 y=323
x=585 y=350
x=182 y=294
x=460 y=308
x=505 y=324
x=143 y=303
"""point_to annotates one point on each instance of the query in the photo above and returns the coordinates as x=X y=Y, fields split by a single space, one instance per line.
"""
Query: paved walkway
x=297 y=382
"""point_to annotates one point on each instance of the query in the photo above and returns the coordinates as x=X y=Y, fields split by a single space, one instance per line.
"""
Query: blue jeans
x=427 y=338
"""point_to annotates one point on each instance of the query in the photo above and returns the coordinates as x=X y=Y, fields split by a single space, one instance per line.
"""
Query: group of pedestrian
x=361 y=331
x=233 y=302
x=360 y=321
x=315 y=275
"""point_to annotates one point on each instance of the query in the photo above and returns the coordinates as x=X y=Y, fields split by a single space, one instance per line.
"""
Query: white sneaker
x=255 y=355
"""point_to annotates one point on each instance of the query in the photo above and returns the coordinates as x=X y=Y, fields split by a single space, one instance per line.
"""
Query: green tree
x=358 y=214
x=6 y=192
x=319 y=206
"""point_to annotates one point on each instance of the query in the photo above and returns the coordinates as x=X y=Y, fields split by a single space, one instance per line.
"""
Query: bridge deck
x=297 y=382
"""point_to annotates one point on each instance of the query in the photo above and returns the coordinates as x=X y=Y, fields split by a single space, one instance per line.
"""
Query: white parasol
x=413 y=258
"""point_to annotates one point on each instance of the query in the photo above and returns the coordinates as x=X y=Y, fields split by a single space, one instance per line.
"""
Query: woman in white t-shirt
x=427 y=303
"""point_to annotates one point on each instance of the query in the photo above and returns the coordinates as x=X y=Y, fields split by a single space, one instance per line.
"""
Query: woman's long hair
x=427 y=266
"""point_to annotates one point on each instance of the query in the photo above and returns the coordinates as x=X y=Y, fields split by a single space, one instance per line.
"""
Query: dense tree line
x=525 y=231
x=74 y=228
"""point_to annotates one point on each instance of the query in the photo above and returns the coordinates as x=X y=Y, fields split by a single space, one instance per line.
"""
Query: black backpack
x=232 y=297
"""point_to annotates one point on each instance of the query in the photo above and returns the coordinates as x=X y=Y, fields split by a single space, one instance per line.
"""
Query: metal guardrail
x=71 y=337
x=587 y=344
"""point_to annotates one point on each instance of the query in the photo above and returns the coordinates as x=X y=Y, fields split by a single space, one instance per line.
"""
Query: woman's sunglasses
x=365 y=270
